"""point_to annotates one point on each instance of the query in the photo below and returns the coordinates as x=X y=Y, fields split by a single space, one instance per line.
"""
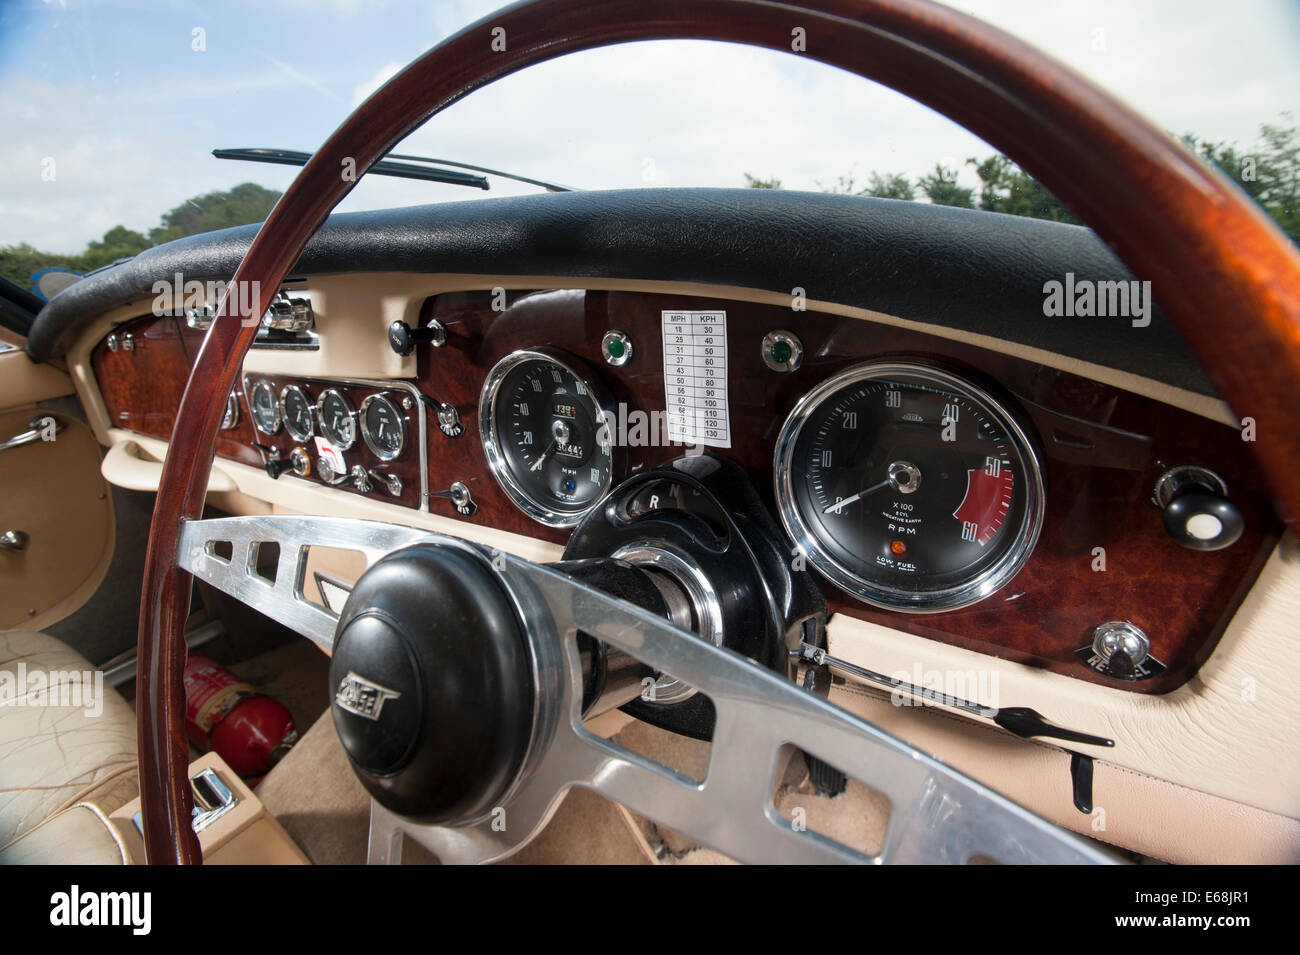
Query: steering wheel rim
x=1205 y=246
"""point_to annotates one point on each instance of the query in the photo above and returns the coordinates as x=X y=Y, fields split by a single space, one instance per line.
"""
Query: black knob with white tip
x=1197 y=511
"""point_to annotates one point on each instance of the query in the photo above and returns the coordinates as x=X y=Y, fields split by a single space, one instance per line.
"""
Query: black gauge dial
x=543 y=431
x=909 y=487
x=266 y=412
x=338 y=419
x=298 y=413
x=383 y=426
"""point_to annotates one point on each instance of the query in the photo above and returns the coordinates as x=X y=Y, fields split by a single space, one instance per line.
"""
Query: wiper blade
x=544 y=184
x=429 y=170
x=400 y=170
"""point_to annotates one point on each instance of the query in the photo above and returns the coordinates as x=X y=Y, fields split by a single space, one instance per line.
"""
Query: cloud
x=382 y=76
x=650 y=114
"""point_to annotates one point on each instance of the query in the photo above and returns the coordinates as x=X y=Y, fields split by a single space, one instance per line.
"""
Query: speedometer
x=909 y=487
x=547 y=436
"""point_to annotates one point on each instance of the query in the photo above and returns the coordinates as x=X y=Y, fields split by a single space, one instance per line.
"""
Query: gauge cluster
x=363 y=436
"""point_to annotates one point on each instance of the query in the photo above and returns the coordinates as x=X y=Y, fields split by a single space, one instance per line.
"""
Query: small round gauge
x=338 y=419
x=546 y=436
x=266 y=412
x=909 y=487
x=231 y=417
x=383 y=426
x=298 y=413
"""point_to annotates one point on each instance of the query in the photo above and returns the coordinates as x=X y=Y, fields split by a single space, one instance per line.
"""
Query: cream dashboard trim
x=1230 y=731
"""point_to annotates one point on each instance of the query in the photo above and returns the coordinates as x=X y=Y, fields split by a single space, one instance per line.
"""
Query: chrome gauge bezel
x=302 y=438
x=375 y=448
x=487 y=426
x=982 y=584
x=231 y=416
x=352 y=413
x=251 y=390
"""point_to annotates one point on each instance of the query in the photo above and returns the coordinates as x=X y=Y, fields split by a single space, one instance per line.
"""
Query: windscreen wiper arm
x=429 y=171
x=544 y=184
x=293 y=157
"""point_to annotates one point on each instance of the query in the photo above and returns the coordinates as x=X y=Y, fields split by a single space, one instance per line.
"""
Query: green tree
x=1269 y=173
x=1005 y=187
x=118 y=242
x=940 y=187
x=242 y=205
x=753 y=182
x=892 y=185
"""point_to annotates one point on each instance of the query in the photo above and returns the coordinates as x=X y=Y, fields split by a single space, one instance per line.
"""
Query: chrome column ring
x=702 y=603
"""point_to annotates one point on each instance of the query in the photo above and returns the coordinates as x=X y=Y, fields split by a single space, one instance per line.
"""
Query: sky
x=117 y=95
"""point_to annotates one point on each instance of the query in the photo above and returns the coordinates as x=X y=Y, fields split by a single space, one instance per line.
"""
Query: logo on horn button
x=363 y=697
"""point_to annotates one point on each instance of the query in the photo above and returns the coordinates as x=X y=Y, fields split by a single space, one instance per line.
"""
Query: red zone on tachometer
x=985 y=506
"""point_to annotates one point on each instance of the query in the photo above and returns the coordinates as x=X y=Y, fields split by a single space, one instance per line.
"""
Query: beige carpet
x=318 y=800
x=315 y=796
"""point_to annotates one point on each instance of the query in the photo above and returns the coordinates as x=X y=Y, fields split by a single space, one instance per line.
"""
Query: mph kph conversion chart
x=695 y=378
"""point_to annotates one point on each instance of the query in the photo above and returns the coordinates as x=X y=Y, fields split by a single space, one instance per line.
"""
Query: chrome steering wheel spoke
x=937 y=814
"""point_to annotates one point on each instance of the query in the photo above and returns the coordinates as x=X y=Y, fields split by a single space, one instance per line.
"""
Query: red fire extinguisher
x=249 y=730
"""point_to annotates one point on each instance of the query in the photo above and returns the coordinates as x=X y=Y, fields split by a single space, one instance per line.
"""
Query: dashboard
x=964 y=495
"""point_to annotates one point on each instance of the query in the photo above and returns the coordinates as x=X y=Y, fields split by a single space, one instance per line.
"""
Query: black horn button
x=432 y=684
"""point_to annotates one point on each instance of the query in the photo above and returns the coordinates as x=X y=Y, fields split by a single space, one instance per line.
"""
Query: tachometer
x=338 y=419
x=909 y=487
x=542 y=430
x=296 y=408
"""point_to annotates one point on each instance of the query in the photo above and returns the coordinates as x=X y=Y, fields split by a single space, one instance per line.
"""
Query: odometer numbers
x=545 y=437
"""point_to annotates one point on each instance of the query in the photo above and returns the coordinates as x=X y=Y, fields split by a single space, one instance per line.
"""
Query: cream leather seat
x=62 y=745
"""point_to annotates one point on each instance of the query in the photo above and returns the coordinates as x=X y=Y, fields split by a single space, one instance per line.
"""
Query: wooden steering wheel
x=1224 y=274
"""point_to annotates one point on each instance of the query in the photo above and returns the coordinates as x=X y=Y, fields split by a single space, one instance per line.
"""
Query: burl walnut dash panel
x=405 y=466
x=1103 y=449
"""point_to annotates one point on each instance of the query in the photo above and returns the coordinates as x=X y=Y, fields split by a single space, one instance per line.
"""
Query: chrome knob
x=326 y=471
x=14 y=540
x=391 y=482
x=1121 y=646
x=361 y=479
x=449 y=420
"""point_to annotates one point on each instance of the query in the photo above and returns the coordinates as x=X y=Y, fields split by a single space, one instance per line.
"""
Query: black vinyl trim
x=18 y=307
x=957 y=268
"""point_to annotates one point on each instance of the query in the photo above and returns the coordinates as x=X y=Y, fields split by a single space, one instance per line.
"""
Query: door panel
x=51 y=492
